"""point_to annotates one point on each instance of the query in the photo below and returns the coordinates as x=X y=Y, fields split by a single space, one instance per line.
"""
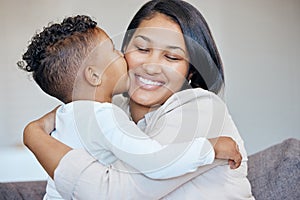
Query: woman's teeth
x=149 y=82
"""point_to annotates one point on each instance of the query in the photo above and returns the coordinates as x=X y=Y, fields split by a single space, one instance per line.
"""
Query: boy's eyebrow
x=168 y=47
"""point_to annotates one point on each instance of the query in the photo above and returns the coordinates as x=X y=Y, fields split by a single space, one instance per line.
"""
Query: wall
x=258 y=41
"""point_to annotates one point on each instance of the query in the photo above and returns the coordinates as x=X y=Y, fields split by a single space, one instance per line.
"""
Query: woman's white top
x=182 y=122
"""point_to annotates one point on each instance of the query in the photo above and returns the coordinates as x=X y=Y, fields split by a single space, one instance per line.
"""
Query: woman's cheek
x=133 y=59
x=176 y=75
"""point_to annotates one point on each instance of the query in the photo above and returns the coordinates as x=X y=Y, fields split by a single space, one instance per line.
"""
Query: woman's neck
x=138 y=111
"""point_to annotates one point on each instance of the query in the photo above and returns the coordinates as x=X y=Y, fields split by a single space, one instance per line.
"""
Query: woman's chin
x=149 y=98
x=142 y=98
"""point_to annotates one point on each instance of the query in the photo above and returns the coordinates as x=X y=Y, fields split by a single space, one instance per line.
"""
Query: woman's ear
x=189 y=77
x=92 y=76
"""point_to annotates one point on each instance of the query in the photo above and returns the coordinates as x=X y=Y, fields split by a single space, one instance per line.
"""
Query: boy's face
x=111 y=64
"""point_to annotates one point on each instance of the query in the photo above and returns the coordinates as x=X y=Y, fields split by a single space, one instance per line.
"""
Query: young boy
x=75 y=61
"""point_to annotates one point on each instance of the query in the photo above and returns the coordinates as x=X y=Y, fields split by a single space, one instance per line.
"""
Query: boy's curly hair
x=55 y=55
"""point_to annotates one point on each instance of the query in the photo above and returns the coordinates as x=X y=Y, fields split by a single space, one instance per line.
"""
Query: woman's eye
x=142 y=49
x=173 y=58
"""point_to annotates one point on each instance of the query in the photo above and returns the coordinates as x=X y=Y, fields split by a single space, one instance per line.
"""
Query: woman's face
x=157 y=59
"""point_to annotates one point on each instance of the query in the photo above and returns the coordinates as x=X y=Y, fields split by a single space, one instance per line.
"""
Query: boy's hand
x=227 y=148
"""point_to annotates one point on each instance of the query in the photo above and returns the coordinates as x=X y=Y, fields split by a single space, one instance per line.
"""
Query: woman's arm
x=46 y=149
x=54 y=156
x=71 y=178
x=106 y=127
x=196 y=113
x=226 y=148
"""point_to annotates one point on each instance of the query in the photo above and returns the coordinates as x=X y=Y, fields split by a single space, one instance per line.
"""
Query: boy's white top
x=79 y=176
x=108 y=134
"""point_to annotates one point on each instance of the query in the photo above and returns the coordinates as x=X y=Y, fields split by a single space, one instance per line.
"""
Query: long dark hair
x=206 y=68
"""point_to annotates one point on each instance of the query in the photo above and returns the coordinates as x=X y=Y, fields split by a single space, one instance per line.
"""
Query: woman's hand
x=46 y=149
x=227 y=148
x=45 y=124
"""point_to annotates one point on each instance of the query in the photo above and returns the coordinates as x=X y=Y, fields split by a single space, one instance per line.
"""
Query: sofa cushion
x=274 y=173
x=33 y=190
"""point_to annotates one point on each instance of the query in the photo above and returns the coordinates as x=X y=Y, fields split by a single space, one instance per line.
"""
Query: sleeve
x=69 y=171
x=231 y=130
x=79 y=176
x=108 y=129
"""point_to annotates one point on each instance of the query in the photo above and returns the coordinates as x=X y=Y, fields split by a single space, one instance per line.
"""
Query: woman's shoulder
x=189 y=95
x=195 y=97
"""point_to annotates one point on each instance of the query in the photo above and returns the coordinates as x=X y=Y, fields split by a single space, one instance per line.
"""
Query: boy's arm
x=43 y=143
x=77 y=173
x=108 y=128
x=199 y=114
x=106 y=131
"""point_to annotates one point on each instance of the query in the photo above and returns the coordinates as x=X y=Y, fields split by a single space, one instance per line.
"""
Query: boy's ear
x=92 y=76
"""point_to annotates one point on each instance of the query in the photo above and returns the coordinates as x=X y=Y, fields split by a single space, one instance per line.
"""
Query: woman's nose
x=152 y=68
x=152 y=65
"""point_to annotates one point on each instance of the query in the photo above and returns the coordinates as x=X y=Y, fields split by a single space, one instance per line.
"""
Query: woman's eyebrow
x=167 y=47
x=176 y=48
x=143 y=37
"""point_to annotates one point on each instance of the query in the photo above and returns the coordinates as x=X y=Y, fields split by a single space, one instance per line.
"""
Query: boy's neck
x=104 y=99
x=101 y=97
x=101 y=100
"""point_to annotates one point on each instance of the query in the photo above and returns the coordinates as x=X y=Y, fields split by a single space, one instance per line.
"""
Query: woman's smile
x=148 y=83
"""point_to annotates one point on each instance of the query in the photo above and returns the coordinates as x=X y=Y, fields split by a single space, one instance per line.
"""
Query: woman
x=150 y=56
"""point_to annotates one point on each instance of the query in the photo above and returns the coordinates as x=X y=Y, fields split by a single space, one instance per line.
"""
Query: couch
x=274 y=174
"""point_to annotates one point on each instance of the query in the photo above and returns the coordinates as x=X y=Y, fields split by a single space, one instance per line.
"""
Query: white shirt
x=90 y=180
x=106 y=132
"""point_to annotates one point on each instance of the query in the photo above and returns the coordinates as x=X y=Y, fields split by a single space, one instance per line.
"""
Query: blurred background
x=259 y=42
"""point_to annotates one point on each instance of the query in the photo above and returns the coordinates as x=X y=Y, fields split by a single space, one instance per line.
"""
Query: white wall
x=258 y=41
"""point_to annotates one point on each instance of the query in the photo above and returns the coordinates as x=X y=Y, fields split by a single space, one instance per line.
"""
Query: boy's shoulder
x=83 y=105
